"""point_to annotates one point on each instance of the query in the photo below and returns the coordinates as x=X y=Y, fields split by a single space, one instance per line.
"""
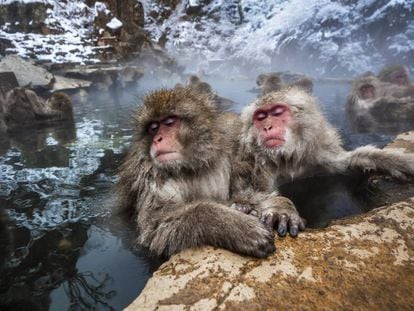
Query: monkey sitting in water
x=177 y=177
x=202 y=87
x=273 y=82
x=395 y=74
x=373 y=105
x=285 y=137
x=22 y=107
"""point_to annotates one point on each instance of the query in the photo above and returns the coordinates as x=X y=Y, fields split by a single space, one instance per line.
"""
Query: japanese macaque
x=286 y=136
x=271 y=83
x=202 y=87
x=304 y=83
x=396 y=74
x=176 y=178
x=274 y=81
x=23 y=107
x=373 y=105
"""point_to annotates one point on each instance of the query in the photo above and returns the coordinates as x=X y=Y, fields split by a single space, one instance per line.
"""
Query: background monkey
x=373 y=105
x=176 y=179
x=396 y=74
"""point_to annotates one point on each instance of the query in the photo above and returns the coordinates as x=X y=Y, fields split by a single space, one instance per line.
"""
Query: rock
x=64 y=83
x=364 y=262
x=8 y=82
x=105 y=76
x=26 y=71
x=30 y=15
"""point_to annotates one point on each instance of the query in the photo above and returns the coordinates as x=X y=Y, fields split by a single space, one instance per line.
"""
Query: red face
x=367 y=91
x=271 y=121
x=400 y=78
x=165 y=146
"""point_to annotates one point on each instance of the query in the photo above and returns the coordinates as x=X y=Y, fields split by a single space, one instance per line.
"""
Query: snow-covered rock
x=315 y=36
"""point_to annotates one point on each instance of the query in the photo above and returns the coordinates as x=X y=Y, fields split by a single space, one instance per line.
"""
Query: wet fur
x=313 y=145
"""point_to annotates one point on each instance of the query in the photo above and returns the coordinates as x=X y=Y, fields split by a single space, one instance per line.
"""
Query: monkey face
x=400 y=78
x=270 y=121
x=367 y=91
x=178 y=129
x=165 y=147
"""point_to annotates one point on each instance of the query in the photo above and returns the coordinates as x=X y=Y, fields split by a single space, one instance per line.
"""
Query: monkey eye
x=170 y=121
x=260 y=115
x=153 y=127
x=277 y=111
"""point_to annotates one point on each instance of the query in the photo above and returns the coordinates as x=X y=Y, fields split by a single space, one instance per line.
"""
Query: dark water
x=61 y=245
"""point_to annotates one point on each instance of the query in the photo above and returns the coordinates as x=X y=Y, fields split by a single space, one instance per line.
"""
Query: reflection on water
x=62 y=247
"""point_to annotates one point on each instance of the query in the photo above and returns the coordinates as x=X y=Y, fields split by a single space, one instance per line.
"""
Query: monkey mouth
x=164 y=156
x=273 y=142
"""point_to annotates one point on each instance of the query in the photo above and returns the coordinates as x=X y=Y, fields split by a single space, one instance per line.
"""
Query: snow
x=313 y=34
x=72 y=20
x=114 y=23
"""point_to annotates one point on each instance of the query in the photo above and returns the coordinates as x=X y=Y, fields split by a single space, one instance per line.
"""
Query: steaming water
x=61 y=245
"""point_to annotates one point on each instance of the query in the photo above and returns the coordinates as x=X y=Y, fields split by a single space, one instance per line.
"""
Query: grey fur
x=313 y=146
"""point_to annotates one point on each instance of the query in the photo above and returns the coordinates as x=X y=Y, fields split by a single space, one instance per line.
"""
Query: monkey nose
x=267 y=127
x=157 y=139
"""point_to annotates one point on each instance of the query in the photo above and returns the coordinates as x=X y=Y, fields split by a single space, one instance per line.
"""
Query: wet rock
x=364 y=262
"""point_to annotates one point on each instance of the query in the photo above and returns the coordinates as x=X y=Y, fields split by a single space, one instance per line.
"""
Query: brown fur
x=312 y=146
x=23 y=108
x=186 y=204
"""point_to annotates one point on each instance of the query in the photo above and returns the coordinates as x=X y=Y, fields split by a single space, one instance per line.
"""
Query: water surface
x=61 y=244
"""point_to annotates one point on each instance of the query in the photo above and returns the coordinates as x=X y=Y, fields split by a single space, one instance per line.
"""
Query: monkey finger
x=293 y=228
x=302 y=224
x=282 y=226
x=268 y=220
x=244 y=208
x=255 y=213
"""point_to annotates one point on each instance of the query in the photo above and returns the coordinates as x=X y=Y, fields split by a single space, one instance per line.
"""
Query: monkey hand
x=285 y=216
x=246 y=208
x=257 y=240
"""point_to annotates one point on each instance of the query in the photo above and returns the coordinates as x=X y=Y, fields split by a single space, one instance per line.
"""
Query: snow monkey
x=396 y=74
x=285 y=136
x=373 y=105
x=23 y=107
x=175 y=181
x=273 y=82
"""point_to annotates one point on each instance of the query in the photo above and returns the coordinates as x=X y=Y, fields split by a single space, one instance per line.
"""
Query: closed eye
x=170 y=121
x=153 y=127
x=261 y=115
x=277 y=111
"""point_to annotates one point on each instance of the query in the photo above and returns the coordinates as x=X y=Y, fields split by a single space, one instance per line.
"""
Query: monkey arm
x=191 y=225
x=371 y=159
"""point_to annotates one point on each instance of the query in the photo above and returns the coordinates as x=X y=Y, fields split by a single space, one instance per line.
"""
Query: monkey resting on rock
x=177 y=176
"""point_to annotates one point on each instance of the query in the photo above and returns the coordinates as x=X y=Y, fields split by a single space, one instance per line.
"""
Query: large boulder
x=363 y=262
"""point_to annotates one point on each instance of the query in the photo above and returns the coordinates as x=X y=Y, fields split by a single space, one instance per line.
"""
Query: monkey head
x=365 y=90
x=281 y=123
x=193 y=80
x=304 y=83
x=60 y=105
x=177 y=129
x=396 y=74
